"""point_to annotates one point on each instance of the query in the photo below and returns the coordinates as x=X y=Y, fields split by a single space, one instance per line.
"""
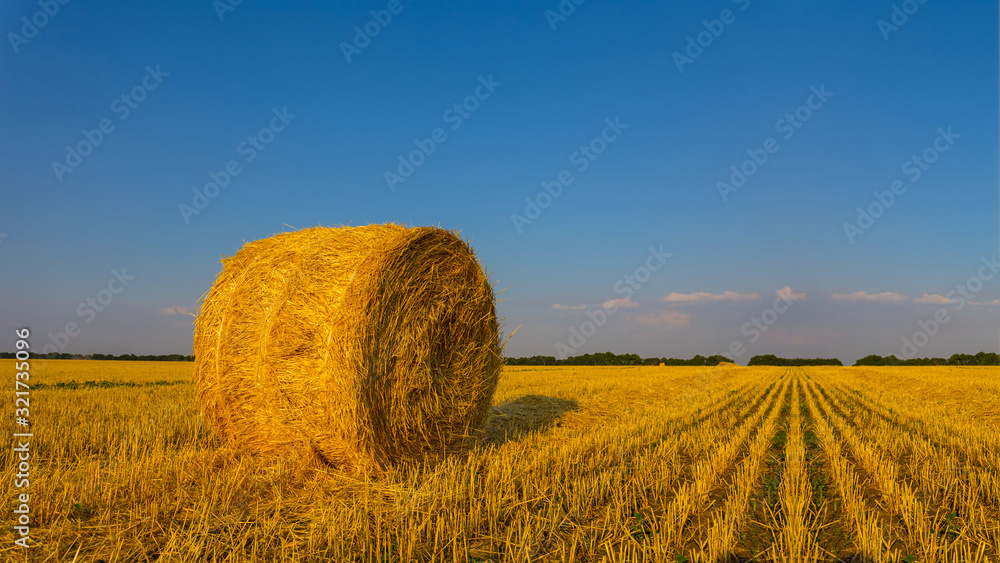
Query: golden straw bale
x=362 y=346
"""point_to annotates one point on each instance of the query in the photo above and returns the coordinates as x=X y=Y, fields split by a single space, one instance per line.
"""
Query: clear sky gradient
x=839 y=97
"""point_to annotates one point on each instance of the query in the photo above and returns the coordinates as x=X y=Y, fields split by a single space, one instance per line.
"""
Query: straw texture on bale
x=363 y=346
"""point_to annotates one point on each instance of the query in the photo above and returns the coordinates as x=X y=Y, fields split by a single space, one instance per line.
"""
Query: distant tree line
x=612 y=359
x=772 y=360
x=126 y=357
x=980 y=359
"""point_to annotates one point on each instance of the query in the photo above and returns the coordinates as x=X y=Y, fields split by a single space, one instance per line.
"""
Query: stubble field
x=576 y=464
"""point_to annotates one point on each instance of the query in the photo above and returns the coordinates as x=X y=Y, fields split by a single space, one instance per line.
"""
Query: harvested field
x=579 y=464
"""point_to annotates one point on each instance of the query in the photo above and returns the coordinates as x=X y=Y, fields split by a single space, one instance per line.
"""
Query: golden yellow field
x=578 y=464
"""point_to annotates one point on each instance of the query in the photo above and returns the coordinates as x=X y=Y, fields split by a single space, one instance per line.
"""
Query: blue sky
x=197 y=84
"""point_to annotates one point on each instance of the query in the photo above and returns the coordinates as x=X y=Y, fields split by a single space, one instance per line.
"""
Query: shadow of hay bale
x=516 y=418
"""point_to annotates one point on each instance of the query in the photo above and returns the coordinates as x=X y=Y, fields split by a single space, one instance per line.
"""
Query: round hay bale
x=364 y=346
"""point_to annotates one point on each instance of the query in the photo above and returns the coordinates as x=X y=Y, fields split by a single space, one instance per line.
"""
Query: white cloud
x=787 y=294
x=705 y=297
x=994 y=302
x=932 y=299
x=620 y=303
x=176 y=310
x=669 y=319
x=884 y=297
x=559 y=307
